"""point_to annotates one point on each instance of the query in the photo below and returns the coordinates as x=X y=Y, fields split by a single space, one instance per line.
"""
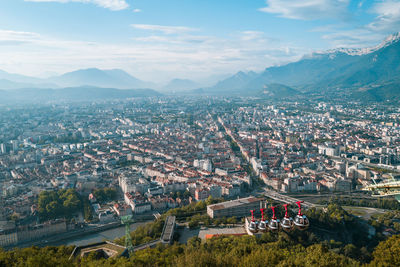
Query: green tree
x=194 y=242
x=61 y=203
x=387 y=253
x=231 y=220
x=350 y=251
x=105 y=194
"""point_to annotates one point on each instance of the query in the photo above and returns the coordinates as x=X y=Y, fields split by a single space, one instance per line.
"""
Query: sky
x=159 y=40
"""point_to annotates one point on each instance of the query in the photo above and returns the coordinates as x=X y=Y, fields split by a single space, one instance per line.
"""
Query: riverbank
x=83 y=236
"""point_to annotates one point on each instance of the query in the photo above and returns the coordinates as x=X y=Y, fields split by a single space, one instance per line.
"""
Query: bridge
x=150 y=244
x=167 y=235
x=391 y=188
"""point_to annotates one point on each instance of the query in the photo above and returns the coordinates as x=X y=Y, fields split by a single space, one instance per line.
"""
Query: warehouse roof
x=234 y=203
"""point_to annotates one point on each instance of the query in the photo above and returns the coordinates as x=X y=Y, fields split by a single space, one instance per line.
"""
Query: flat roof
x=234 y=203
x=113 y=249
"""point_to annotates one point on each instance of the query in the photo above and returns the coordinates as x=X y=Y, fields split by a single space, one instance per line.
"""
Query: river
x=109 y=234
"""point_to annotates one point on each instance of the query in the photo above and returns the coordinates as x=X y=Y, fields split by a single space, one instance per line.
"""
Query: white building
x=256 y=164
x=328 y=150
x=3 y=148
x=133 y=184
x=204 y=164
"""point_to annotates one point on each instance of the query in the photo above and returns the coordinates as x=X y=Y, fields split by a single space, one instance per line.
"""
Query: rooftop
x=108 y=249
x=234 y=203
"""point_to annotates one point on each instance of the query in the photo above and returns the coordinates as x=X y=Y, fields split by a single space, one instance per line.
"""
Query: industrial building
x=239 y=207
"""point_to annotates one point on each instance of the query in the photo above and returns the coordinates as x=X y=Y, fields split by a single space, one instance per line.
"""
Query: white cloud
x=353 y=38
x=154 y=57
x=307 y=9
x=388 y=19
x=109 y=4
x=164 y=29
x=137 y=10
x=251 y=35
x=174 y=39
x=17 y=37
x=6 y=35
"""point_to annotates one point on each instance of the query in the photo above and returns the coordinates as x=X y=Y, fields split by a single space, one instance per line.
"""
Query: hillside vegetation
x=335 y=238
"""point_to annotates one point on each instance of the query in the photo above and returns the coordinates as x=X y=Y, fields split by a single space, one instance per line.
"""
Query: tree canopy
x=105 y=194
x=271 y=250
x=56 y=204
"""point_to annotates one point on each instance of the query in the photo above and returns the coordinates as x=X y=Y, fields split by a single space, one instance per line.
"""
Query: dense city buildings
x=160 y=153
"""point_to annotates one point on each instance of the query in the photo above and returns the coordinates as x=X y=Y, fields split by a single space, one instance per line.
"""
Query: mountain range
x=369 y=73
x=114 y=78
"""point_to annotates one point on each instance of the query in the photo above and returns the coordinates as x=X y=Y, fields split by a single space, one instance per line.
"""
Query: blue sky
x=163 y=39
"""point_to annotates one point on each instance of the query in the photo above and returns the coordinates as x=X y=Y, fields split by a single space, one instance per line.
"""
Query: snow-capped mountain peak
x=393 y=38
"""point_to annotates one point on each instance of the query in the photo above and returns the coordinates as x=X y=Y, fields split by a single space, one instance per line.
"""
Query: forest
x=270 y=250
x=335 y=238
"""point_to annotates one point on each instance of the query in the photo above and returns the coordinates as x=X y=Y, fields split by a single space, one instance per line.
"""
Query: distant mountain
x=231 y=84
x=212 y=79
x=17 y=78
x=180 y=85
x=236 y=81
x=10 y=81
x=389 y=91
x=87 y=77
x=100 y=78
x=9 y=85
x=71 y=94
x=366 y=73
x=345 y=69
x=276 y=90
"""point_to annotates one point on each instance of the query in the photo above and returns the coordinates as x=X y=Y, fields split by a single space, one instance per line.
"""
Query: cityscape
x=150 y=155
x=272 y=139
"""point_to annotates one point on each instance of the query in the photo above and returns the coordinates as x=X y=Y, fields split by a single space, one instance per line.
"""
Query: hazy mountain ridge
x=337 y=69
x=328 y=71
x=233 y=84
x=114 y=78
x=11 y=85
x=180 y=85
x=278 y=90
x=17 y=78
